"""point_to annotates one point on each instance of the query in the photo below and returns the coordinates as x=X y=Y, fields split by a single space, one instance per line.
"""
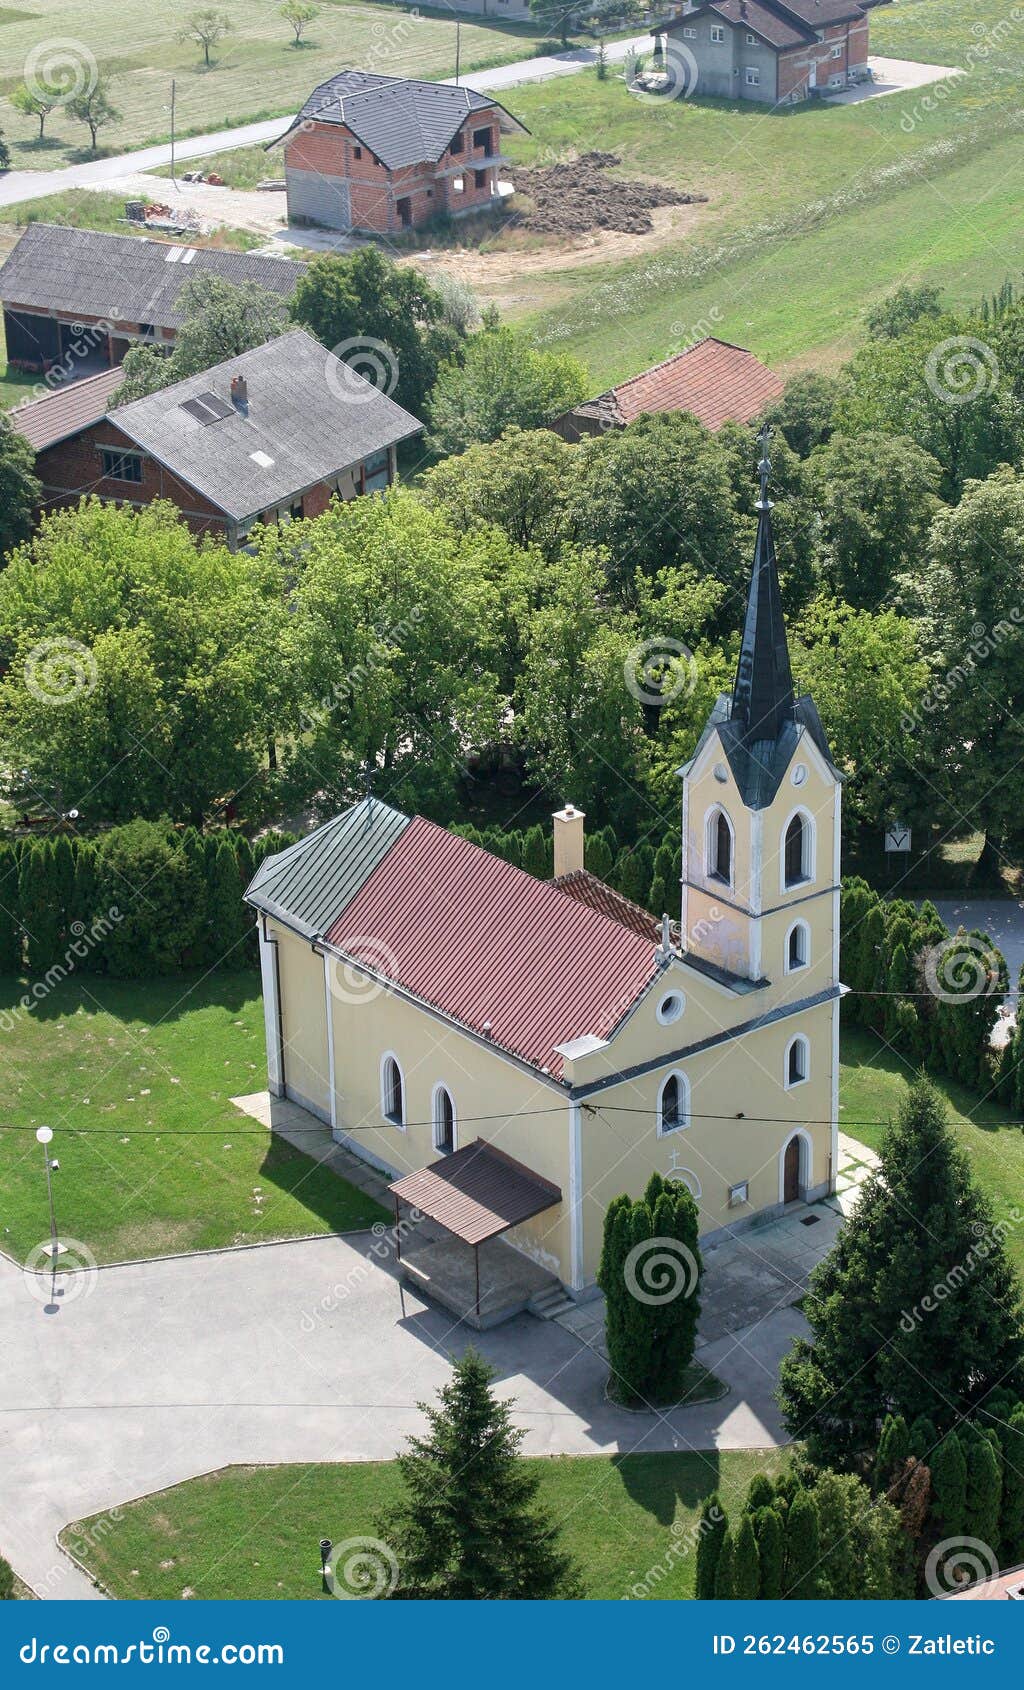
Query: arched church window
x=797 y=850
x=673 y=1104
x=719 y=852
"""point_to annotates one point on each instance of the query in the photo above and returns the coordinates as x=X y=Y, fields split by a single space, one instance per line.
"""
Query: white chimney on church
x=568 y=840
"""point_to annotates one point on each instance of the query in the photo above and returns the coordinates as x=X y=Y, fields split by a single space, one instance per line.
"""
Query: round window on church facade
x=671 y=1008
x=799 y=774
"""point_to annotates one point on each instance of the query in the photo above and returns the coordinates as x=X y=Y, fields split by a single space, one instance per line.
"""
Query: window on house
x=121 y=466
x=458 y=142
x=835 y=81
x=797 y=947
x=458 y=184
x=484 y=138
x=689 y=35
x=719 y=847
x=797 y=851
x=751 y=39
x=444 y=1121
x=797 y=1060
x=375 y=472
x=673 y=1104
x=392 y=1092
x=717 y=32
x=480 y=178
x=753 y=77
x=837 y=52
x=357 y=152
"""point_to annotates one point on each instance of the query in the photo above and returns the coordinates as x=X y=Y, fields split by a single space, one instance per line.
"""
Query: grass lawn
x=813 y=212
x=257 y=72
x=253 y=1531
x=135 y=1081
x=872 y=1082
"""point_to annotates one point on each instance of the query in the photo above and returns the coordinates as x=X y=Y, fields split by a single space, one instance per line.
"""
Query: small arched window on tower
x=797 y=851
x=798 y=947
x=798 y=1061
x=719 y=846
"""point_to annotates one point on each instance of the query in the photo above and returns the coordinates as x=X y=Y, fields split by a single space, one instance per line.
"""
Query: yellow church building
x=516 y=1052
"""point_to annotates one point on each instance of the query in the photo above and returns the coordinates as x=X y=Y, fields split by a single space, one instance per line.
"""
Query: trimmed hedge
x=142 y=899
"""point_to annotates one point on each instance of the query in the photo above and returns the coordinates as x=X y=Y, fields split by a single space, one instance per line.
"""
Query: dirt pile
x=570 y=199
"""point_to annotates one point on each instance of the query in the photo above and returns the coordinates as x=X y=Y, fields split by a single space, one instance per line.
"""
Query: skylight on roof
x=262 y=459
x=172 y=254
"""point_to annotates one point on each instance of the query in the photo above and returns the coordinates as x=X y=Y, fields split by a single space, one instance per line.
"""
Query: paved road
x=1001 y=918
x=20 y=185
x=308 y=1351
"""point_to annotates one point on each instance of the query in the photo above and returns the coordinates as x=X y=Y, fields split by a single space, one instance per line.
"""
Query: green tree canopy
x=500 y=381
x=916 y=1310
x=388 y=322
x=19 y=487
x=876 y=495
x=144 y=674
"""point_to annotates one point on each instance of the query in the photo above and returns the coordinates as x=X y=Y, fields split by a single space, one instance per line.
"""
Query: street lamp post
x=44 y=1136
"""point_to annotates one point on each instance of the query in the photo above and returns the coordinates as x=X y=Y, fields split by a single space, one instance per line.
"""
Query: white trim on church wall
x=271 y=1013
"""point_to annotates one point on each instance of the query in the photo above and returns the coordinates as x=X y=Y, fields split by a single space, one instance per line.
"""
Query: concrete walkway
x=21 y=185
x=893 y=76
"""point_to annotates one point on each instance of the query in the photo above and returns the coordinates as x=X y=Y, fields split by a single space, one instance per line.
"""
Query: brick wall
x=115 y=342
x=74 y=467
x=795 y=65
x=331 y=152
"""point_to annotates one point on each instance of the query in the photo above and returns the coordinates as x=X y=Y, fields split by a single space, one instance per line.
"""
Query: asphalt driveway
x=137 y=1377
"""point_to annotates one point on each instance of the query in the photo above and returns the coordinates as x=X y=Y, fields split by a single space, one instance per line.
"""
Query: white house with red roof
x=516 y=1052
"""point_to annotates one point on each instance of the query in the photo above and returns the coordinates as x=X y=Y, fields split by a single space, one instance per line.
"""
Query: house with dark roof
x=74 y=300
x=713 y=380
x=772 y=51
x=268 y=436
x=515 y=1052
x=379 y=154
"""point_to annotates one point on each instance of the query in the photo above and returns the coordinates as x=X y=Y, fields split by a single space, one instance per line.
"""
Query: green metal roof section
x=309 y=885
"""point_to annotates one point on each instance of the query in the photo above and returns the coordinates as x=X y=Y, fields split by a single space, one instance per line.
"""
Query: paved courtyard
x=133 y=1378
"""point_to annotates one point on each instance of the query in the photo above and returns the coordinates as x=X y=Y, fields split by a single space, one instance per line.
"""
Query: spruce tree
x=893 y=1449
x=597 y=856
x=949 y=1487
x=761 y=1493
x=38 y=908
x=984 y=1490
x=228 y=915
x=536 y=853
x=1011 y=1519
x=468 y=1526
x=746 y=1566
x=882 y=1339
x=725 y=1585
x=84 y=909
x=771 y=1549
x=712 y=1529
x=922 y=1438
x=64 y=880
x=801 y=1578
x=10 y=926
x=650 y=1272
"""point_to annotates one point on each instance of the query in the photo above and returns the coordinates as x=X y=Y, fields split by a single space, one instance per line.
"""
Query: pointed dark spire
x=762 y=696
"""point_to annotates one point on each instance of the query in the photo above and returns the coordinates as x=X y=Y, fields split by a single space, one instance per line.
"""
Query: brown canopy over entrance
x=475 y=1194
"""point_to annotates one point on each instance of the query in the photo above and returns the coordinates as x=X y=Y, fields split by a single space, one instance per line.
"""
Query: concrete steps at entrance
x=550 y=1303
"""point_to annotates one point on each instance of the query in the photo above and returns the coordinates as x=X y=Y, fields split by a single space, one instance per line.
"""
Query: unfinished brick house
x=773 y=51
x=379 y=154
x=74 y=300
x=268 y=436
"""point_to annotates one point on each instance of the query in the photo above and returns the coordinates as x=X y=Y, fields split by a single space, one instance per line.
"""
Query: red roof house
x=714 y=381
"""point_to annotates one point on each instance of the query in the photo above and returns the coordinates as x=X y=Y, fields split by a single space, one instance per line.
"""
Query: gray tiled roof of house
x=307 y=418
x=127 y=278
x=311 y=883
x=401 y=121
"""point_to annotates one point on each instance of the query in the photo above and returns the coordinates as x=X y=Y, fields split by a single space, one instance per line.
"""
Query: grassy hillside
x=813 y=212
